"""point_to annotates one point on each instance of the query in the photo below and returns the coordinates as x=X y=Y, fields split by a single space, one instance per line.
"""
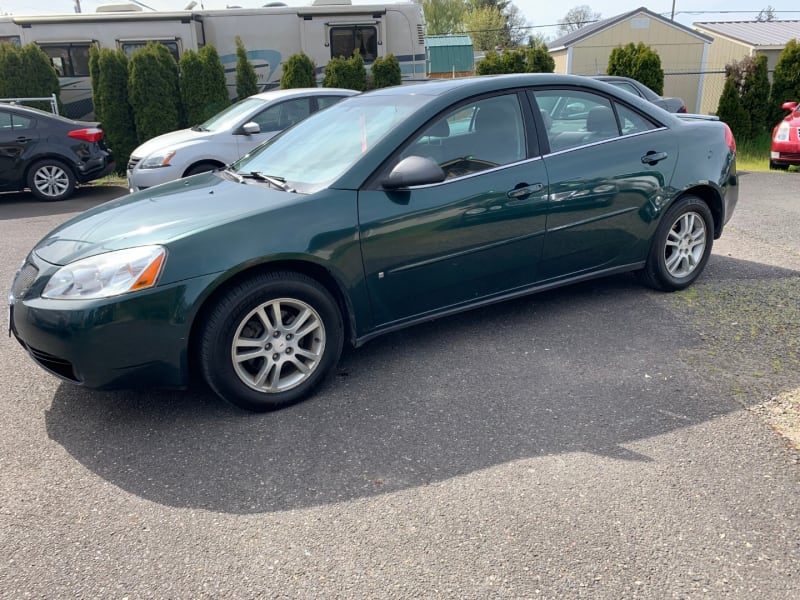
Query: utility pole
x=77 y=6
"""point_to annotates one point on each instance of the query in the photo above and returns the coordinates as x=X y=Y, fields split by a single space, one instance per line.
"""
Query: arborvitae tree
x=755 y=92
x=490 y=64
x=153 y=91
x=347 y=73
x=216 y=92
x=298 y=72
x=26 y=72
x=246 y=78
x=386 y=72
x=112 y=95
x=94 y=75
x=192 y=85
x=732 y=112
x=538 y=59
x=513 y=61
x=785 y=81
x=640 y=62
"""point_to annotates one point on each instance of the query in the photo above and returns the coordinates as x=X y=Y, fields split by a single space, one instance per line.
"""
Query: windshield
x=231 y=115
x=318 y=150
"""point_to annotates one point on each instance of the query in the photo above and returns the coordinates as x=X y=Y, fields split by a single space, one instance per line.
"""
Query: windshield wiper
x=274 y=181
x=199 y=128
x=233 y=175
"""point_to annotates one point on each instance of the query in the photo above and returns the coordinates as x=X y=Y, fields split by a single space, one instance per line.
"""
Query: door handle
x=22 y=139
x=523 y=190
x=653 y=157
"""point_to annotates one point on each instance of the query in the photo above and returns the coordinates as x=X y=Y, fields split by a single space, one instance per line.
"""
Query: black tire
x=778 y=166
x=681 y=246
x=51 y=180
x=201 y=168
x=244 y=321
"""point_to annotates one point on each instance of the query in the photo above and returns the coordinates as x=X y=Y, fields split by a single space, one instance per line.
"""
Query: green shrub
x=26 y=72
x=298 y=72
x=755 y=93
x=386 y=72
x=732 y=112
x=153 y=91
x=490 y=64
x=246 y=78
x=349 y=73
x=94 y=77
x=785 y=81
x=112 y=95
x=216 y=92
x=639 y=62
x=538 y=59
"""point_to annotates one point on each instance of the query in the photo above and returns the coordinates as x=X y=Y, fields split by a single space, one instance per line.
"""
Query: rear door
x=609 y=167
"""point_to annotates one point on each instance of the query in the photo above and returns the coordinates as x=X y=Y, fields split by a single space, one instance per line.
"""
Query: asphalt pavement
x=595 y=441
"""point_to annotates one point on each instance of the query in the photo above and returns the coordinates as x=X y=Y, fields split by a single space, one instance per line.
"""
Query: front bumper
x=139 y=339
x=140 y=179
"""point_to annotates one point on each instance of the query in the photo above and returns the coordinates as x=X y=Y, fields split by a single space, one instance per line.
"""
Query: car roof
x=297 y=92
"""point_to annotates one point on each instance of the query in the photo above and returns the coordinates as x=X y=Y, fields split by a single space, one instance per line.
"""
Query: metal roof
x=433 y=41
x=592 y=28
x=754 y=33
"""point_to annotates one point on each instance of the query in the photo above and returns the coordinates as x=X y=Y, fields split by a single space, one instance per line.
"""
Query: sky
x=543 y=15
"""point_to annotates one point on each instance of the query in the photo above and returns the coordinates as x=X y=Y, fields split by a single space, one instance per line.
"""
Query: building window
x=131 y=46
x=346 y=40
x=10 y=39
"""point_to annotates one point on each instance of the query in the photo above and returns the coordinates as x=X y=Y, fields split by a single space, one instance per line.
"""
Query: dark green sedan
x=390 y=208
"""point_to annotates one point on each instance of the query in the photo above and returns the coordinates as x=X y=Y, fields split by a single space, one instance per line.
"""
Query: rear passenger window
x=575 y=118
x=474 y=137
x=632 y=122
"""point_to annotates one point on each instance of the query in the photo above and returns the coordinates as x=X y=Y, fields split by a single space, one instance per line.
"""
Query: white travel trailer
x=270 y=34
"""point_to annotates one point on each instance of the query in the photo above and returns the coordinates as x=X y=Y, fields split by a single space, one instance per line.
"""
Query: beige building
x=733 y=40
x=682 y=50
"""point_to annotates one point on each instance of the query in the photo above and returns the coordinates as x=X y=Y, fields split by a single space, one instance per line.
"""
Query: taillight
x=90 y=134
x=729 y=140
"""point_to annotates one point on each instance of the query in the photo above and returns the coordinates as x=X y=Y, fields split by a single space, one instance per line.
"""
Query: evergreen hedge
x=116 y=115
x=386 y=72
x=349 y=73
x=246 y=78
x=298 y=72
x=732 y=112
x=26 y=72
x=153 y=91
x=639 y=62
x=785 y=82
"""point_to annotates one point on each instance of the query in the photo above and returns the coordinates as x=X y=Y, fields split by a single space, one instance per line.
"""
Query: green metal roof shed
x=448 y=53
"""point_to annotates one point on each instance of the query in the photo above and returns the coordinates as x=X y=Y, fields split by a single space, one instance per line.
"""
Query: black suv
x=49 y=154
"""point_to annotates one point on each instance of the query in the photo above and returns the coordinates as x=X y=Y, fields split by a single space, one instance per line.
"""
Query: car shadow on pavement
x=588 y=368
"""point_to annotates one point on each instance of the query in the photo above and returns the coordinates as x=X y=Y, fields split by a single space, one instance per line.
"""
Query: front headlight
x=109 y=274
x=157 y=159
x=783 y=132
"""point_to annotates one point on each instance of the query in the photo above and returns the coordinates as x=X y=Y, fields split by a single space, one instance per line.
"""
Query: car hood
x=159 y=216
x=174 y=138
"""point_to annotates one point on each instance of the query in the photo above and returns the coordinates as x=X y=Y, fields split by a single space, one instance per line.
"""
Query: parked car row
x=387 y=209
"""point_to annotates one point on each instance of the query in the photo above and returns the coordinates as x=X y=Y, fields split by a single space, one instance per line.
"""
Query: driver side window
x=473 y=137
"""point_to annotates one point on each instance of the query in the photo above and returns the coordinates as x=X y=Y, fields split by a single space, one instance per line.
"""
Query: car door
x=609 y=166
x=474 y=235
x=17 y=137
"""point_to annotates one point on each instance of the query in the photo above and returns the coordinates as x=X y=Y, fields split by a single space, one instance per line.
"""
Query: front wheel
x=681 y=246
x=271 y=340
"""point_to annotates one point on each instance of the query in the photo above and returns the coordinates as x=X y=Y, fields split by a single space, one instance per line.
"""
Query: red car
x=786 y=139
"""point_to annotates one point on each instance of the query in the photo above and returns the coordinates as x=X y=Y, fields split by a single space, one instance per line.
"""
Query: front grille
x=23 y=280
x=58 y=366
x=132 y=162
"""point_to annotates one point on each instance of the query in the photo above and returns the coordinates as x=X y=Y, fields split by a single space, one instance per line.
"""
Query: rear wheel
x=681 y=246
x=51 y=180
x=271 y=340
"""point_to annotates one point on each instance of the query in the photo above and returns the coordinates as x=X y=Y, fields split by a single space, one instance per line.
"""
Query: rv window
x=10 y=39
x=346 y=40
x=69 y=60
x=129 y=47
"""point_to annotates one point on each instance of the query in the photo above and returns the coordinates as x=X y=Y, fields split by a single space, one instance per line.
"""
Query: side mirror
x=250 y=128
x=413 y=170
x=789 y=105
